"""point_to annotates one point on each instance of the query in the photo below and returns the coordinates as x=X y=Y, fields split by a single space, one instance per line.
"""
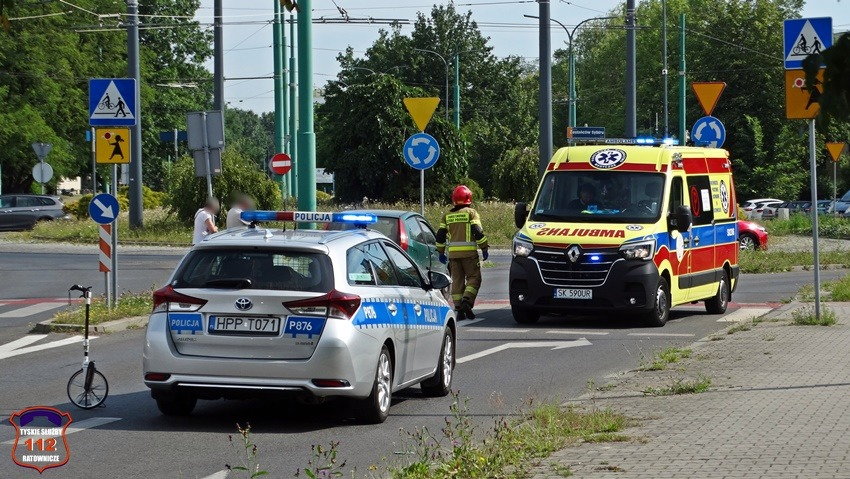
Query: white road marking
x=527 y=344
x=78 y=426
x=664 y=335
x=218 y=475
x=498 y=330
x=19 y=343
x=4 y=354
x=582 y=333
x=31 y=310
x=742 y=314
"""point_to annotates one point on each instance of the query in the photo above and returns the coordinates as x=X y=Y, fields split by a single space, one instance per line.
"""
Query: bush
x=800 y=224
x=150 y=199
x=323 y=198
x=80 y=208
x=238 y=175
x=515 y=175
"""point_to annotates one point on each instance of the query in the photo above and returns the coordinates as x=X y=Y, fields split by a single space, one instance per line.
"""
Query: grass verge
x=780 y=261
x=681 y=386
x=665 y=357
x=837 y=290
x=829 y=226
x=805 y=316
x=127 y=306
x=160 y=228
x=512 y=448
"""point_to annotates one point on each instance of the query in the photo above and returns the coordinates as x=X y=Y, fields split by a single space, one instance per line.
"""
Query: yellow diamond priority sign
x=112 y=145
x=421 y=110
x=835 y=149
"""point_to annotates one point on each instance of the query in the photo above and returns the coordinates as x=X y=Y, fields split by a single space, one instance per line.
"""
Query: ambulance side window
x=676 y=198
x=699 y=193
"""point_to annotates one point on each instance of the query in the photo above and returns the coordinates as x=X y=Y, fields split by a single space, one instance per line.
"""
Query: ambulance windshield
x=600 y=197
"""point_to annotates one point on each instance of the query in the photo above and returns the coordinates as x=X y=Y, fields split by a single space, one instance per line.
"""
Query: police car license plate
x=562 y=293
x=243 y=325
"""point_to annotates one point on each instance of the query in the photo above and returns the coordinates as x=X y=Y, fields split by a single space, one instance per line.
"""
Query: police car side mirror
x=680 y=220
x=438 y=280
x=520 y=214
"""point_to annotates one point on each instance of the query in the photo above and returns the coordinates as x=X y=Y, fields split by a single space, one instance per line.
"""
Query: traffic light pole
x=134 y=71
x=683 y=129
x=279 y=107
x=293 y=113
x=306 y=137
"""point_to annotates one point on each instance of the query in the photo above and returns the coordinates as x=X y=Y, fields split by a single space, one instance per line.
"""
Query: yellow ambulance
x=627 y=229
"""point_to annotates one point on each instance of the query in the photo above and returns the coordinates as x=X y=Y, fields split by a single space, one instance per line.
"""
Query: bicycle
x=87 y=388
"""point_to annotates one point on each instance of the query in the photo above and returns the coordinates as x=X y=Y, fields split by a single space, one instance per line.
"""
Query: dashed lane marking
x=19 y=343
x=664 y=335
x=498 y=330
x=743 y=314
x=6 y=353
x=78 y=426
x=218 y=475
x=31 y=310
x=582 y=333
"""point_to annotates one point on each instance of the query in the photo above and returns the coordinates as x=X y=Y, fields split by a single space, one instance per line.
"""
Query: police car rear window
x=256 y=269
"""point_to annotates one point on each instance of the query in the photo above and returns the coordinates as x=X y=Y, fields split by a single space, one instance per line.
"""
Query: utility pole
x=293 y=114
x=545 y=141
x=218 y=53
x=664 y=67
x=134 y=71
x=306 y=137
x=457 y=91
x=631 y=72
x=279 y=107
x=682 y=83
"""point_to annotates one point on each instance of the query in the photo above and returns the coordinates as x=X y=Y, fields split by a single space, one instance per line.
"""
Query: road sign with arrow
x=103 y=208
x=708 y=131
x=421 y=151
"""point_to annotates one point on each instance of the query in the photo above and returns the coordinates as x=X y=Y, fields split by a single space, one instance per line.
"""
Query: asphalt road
x=129 y=438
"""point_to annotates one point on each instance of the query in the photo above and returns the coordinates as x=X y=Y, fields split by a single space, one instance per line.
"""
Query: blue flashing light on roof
x=309 y=217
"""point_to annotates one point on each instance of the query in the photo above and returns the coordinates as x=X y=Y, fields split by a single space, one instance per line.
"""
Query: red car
x=752 y=236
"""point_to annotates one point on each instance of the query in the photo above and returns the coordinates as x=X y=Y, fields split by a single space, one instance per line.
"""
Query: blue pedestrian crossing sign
x=803 y=37
x=112 y=102
x=421 y=151
x=103 y=208
x=708 y=131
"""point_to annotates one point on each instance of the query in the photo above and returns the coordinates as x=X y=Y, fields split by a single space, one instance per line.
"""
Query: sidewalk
x=778 y=407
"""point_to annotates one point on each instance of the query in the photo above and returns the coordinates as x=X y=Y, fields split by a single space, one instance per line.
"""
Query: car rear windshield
x=256 y=269
x=386 y=225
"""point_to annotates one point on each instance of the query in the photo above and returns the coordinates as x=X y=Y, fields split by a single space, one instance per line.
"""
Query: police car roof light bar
x=359 y=219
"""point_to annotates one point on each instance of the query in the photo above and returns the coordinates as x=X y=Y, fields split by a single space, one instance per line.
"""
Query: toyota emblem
x=573 y=253
x=244 y=304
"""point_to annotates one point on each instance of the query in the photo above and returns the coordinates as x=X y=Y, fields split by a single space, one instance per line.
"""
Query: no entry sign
x=280 y=164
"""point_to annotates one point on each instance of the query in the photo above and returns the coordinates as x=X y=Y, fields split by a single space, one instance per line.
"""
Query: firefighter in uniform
x=459 y=237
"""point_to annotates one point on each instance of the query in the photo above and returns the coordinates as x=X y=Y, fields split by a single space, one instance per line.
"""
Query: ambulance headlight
x=644 y=250
x=522 y=248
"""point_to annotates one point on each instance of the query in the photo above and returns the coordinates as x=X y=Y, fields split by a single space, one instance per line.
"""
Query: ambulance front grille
x=591 y=269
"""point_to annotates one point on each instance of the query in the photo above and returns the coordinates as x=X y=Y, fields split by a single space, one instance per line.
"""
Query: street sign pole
x=93 y=162
x=814 y=187
x=422 y=192
x=207 y=154
x=113 y=275
x=42 y=174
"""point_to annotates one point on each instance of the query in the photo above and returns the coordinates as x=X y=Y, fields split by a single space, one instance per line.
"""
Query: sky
x=248 y=35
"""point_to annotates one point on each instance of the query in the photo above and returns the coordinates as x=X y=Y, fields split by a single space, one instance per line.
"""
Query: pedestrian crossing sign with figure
x=112 y=102
x=804 y=37
x=112 y=145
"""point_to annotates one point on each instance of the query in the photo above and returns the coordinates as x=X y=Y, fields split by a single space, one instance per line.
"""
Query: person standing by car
x=460 y=235
x=243 y=202
x=204 y=220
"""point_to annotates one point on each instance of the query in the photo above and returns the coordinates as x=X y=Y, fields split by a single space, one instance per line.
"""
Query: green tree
x=515 y=174
x=835 y=100
x=363 y=150
x=238 y=175
x=250 y=134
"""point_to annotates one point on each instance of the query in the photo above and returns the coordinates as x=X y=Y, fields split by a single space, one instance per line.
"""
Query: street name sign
x=585 y=132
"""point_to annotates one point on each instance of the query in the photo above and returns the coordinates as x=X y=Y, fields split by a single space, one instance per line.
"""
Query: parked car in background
x=753 y=209
x=750 y=205
x=798 y=206
x=22 y=212
x=843 y=204
x=408 y=229
x=752 y=236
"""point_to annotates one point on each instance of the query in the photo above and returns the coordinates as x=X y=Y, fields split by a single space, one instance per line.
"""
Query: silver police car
x=319 y=313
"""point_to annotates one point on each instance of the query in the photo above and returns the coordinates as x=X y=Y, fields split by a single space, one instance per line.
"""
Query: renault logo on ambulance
x=629 y=229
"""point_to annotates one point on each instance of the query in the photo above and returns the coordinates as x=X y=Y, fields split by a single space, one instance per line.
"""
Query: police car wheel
x=524 y=316
x=660 y=312
x=718 y=303
x=440 y=384
x=375 y=408
x=176 y=404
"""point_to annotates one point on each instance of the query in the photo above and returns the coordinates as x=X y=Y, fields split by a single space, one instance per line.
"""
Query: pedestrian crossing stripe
x=112 y=105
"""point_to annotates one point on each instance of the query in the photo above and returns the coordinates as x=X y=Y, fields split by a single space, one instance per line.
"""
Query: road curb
x=123 y=324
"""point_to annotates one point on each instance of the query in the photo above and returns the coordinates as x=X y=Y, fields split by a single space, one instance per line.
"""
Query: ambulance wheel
x=718 y=303
x=524 y=316
x=375 y=408
x=440 y=384
x=660 y=312
x=176 y=404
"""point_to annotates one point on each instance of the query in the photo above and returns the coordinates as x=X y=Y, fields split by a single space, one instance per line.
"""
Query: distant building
x=325 y=181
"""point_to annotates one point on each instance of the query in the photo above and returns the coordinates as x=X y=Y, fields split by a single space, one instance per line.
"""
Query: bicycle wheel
x=91 y=398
